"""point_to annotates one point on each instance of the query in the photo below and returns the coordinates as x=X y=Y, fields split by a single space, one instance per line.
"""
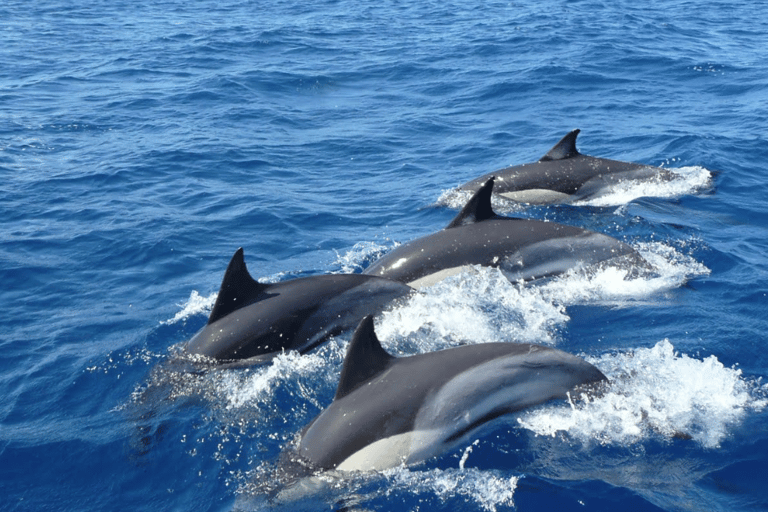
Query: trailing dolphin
x=523 y=248
x=564 y=175
x=393 y=410
x=252 y=322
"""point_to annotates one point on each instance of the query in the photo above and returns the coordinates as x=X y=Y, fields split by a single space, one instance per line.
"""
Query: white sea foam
x=240 y=389
x=356 y=258
x=476 y=306
x=457 y=487
x=618 y=284
x=485 y=488
x=481 y=304
x=685 y=181
x=195 y=305
x=654 y=392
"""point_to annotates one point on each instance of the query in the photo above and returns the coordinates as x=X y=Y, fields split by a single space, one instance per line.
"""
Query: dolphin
x=523 y=248
x=252 y=322
x=564 y=175
x=393 y=410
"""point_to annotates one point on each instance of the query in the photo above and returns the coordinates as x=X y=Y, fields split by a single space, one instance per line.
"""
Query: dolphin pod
x=523 y=248
x=564 y=175
x=393 y=410
x=252 y=322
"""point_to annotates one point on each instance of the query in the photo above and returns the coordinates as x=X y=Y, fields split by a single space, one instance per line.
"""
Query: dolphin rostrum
x=564 y=175
x=523 y=248
x=252 y=322
x=393 y=410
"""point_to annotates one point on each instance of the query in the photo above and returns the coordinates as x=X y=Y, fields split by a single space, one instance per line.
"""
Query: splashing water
x=483 y=487
x=654 y=392
x=360 y=490
x=685 y=181
x=195 y=305
x=360 y=256
x=238 y=389
x=482 y=305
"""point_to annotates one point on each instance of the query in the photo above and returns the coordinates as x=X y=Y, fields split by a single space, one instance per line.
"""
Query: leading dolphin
x=252 y=322
x=564 y=175
x=523 y=248
x=393 y=410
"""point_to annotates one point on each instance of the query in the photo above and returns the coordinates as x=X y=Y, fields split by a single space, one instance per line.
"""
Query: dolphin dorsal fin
x=477 y=209
x=238 y=288
x=566 y=148
x=365 y=359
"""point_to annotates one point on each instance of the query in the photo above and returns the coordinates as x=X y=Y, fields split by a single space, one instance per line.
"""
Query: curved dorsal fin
x=477 y=209
x=566 y=148
x=365 y=359
x=238 y=288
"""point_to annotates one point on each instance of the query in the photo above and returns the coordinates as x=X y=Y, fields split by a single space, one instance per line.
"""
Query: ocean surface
x=142 y=143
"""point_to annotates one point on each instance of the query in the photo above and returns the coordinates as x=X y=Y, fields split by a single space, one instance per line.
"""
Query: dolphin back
x=524 y=248
x=407 y=409
x=252 y=322
x=564 y=175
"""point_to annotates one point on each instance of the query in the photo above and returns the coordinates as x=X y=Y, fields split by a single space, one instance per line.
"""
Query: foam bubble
x=654 y=392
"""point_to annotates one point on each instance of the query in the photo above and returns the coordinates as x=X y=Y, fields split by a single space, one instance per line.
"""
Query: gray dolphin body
x=389 y=410
x=564 y=175
x=252 y=322
x=523 y=248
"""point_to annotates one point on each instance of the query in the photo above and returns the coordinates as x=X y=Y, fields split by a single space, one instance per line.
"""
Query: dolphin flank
x=564 y=175
x=252 y=322
x=393 y=410
x=523 y=248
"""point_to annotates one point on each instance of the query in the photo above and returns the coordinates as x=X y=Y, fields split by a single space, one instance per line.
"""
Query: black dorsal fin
x=365 y=359
x=566 y=148
x=238 y=288
x=477 y=209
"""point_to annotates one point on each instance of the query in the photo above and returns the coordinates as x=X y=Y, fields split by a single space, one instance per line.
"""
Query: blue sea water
x=141 y=143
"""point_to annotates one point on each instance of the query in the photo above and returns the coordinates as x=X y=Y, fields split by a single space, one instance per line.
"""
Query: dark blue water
x=141 y=143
